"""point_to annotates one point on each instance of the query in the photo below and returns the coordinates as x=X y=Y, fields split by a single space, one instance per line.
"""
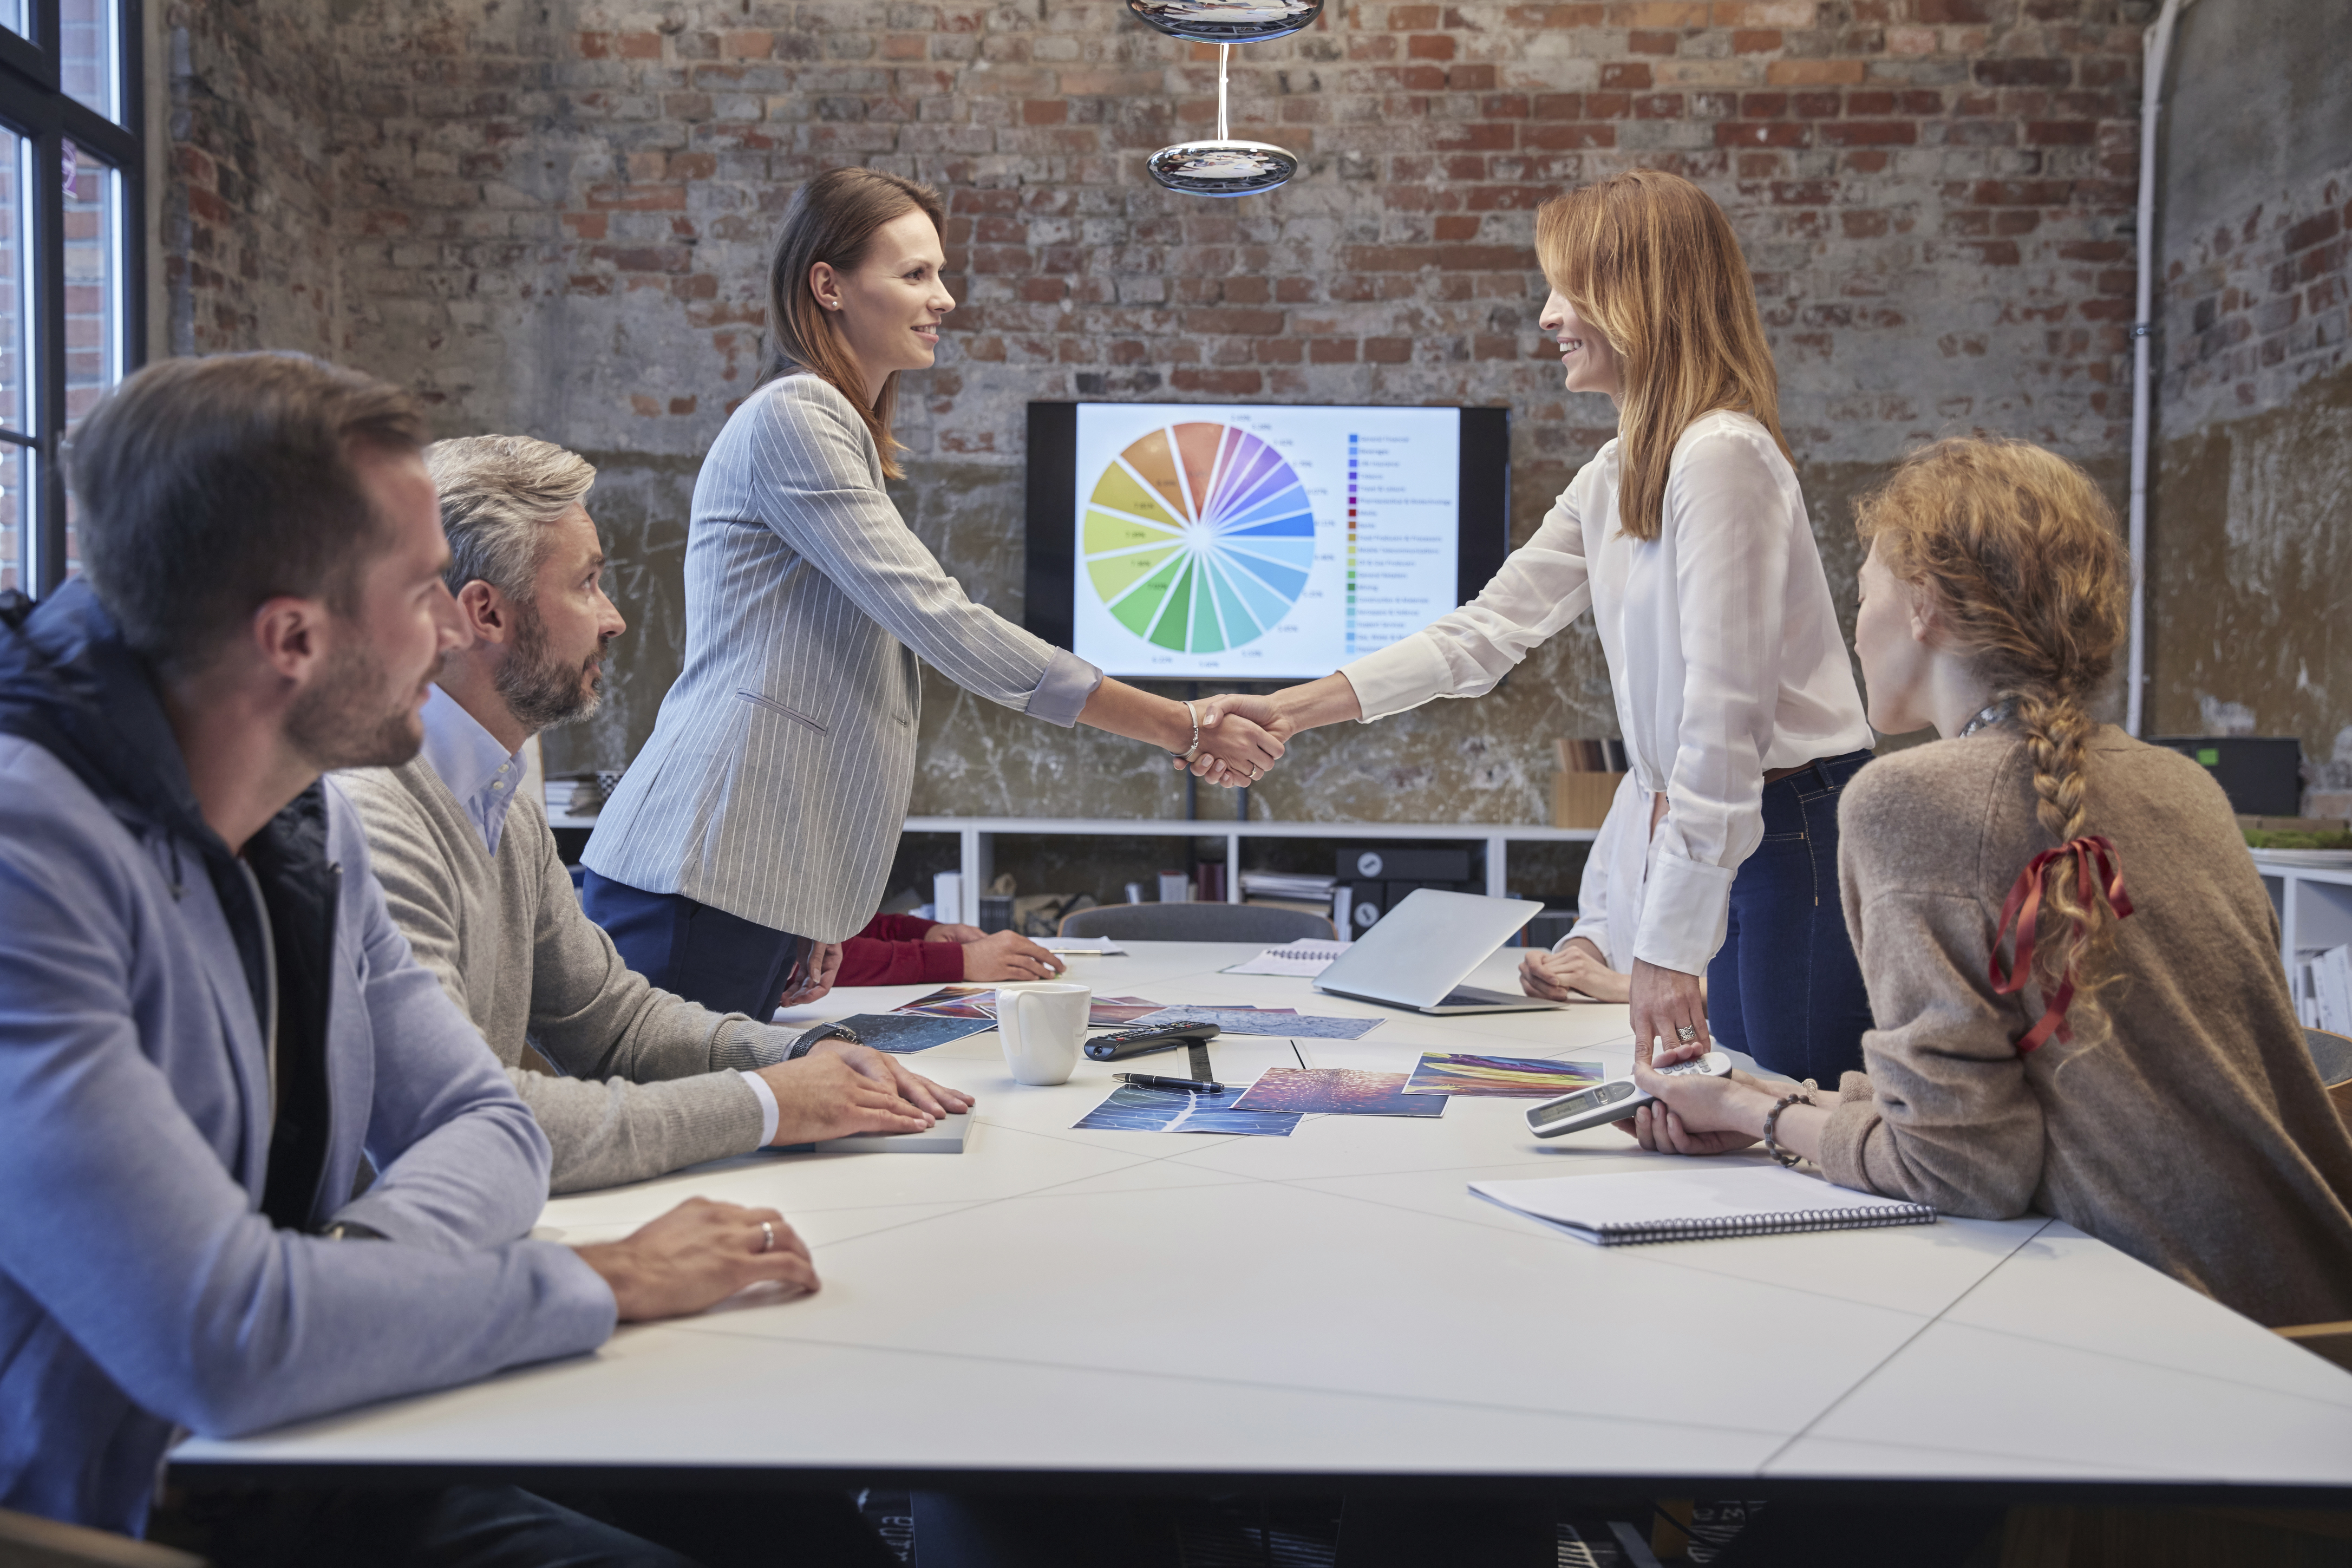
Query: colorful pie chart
x=1198 y=537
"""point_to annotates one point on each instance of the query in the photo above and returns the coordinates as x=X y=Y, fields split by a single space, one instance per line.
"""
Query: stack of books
x=1289 y=890
x=1589 y=772
x=2322 y=990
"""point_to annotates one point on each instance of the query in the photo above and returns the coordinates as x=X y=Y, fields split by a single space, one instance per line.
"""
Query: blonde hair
x=833 y=218
x=1648 y=258
x=497 y=494
x=2021 y=555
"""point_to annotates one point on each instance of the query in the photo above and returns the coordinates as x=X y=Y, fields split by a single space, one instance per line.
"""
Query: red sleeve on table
x=868 y=961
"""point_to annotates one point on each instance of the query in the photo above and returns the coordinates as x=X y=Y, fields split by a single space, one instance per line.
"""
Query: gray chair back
x=1195 y=923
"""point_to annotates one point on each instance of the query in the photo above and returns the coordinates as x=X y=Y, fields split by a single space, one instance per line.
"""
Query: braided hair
x=2022 y=557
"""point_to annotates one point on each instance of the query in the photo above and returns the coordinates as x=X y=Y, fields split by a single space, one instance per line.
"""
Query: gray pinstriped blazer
x=776 y=782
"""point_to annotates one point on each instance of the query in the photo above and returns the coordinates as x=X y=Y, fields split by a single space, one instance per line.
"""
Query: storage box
x=1385 y=864
x=1581 y=800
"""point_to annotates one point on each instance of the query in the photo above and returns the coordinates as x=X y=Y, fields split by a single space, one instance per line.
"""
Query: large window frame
x=36 y=106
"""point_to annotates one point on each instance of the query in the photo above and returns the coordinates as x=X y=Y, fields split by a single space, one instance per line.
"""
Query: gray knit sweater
x=652 y=1081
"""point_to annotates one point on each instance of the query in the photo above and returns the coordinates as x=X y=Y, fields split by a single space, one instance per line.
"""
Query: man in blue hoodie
x=211 y=1035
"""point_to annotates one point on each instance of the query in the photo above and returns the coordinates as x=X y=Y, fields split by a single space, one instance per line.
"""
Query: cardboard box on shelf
x=1581 y=800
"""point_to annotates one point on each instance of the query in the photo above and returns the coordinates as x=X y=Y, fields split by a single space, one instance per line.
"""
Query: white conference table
x=1064 y=1308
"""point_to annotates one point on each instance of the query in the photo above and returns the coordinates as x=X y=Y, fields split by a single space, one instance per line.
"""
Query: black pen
x=1148 y=1080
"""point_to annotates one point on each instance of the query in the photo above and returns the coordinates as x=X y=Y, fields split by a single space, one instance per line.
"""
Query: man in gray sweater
x=469 y=868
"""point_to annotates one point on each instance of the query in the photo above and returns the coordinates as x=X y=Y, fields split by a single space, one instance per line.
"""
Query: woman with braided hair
x=2073 y=967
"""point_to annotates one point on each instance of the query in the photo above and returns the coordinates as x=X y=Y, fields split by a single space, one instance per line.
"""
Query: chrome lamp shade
x=1228 y=21
x=1224 y=167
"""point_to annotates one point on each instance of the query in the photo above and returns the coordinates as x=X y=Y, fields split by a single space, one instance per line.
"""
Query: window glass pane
x=13 y=360
x=15 y=516
x=89 y=42
x=13 y=17
x=94 y=316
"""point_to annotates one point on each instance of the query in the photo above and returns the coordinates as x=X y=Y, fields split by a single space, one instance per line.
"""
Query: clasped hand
x=1696 y=1114
x=1241 y=738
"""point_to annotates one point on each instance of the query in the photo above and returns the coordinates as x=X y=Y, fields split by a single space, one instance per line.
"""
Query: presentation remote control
x=1120 y=1044
x=1615 y=1100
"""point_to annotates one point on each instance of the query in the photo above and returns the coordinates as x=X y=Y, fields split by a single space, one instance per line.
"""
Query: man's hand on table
x=699 y=1253
x=935 y=1098
x=945 y=931
x=1008 y=956
x=826 y=1095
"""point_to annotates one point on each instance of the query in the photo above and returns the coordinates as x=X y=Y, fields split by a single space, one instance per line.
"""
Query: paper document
x=1307 y=956
x=1082 y=944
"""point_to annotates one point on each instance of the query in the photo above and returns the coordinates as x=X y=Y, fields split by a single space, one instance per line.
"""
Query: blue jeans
x=727 y=963
x=1786 y=988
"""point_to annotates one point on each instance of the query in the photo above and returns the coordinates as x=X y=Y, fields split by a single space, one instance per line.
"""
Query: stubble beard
x=347 y=720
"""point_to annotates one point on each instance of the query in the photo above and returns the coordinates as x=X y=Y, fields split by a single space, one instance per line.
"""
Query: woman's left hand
x=812 y=984
x=1696 y=1115
x=945 y=931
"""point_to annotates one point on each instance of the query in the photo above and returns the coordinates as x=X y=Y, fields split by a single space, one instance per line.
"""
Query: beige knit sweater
x=2196 y=1137
x=653 y=1082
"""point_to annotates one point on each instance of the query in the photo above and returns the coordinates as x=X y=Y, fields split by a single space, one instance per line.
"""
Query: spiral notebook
x=1699 y=1203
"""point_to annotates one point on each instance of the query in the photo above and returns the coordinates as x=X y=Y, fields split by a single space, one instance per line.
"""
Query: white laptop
x=1419 y=954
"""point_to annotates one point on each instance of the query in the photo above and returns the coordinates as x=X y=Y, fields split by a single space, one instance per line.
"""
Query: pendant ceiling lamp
x=1224 y=167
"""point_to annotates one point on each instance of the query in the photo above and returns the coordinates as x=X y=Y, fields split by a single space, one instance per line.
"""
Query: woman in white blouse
x=1687 y=537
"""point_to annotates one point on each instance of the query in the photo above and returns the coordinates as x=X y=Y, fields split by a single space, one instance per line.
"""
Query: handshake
x=1241 y=738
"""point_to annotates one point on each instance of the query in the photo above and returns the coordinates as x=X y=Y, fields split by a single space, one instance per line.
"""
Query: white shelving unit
x=978 y=834
x=2314 y=904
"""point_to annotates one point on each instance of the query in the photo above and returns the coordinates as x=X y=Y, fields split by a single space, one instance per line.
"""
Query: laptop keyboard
x=1472 y=996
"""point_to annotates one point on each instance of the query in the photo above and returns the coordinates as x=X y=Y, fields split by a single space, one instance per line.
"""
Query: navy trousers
x=1786 y=988
x=726 y=962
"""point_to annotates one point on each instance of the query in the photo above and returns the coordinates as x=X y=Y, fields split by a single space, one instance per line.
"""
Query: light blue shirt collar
x=482 y=774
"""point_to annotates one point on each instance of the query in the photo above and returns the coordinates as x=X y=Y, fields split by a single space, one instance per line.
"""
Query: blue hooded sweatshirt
x=156 y=1187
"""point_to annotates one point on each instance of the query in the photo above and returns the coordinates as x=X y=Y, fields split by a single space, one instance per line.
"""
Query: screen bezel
x=1481 y=536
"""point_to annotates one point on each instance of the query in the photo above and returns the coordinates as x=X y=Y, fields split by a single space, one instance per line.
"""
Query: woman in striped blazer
x=761 y=819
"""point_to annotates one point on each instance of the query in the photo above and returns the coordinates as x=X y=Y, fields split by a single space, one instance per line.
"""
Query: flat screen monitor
x=1256 y=542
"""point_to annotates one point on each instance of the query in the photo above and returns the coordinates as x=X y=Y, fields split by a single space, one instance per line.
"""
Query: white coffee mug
x=1042 y=1028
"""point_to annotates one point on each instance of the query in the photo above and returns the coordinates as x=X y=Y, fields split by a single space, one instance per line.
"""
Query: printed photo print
x=980 y=1002
x=1343 y=1091
x=1133 y=1108
x=1510 y=1078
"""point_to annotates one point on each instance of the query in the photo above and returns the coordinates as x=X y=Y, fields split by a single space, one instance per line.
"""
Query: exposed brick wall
x=2250 y=521
x=2260 y=304
x=248 y=201
x=553 y=218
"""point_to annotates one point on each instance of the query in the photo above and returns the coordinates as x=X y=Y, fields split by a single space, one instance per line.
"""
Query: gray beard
x=540 y=690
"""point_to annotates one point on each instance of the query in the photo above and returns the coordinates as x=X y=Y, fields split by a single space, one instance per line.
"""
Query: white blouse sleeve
x=1731 y=519
x=1624 y=830
x=1541 y=587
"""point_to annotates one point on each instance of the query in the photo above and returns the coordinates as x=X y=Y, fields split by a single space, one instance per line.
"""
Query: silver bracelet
x=1194 y=750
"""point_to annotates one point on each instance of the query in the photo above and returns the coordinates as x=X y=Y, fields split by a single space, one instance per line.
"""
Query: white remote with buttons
x=1615 y=1100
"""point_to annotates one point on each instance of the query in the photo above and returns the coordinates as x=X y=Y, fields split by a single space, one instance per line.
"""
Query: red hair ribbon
x=2023 y=908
